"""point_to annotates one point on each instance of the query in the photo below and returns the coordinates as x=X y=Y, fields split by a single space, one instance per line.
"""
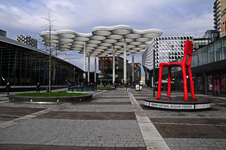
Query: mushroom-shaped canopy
x=102 y=40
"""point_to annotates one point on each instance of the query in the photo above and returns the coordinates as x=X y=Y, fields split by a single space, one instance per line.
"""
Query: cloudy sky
x=173 y=17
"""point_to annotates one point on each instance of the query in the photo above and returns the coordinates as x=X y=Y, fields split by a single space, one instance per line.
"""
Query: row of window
x=215 y=83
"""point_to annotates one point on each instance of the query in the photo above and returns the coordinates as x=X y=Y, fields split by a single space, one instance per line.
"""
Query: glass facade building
x=106 y=66
x=208 y=69
x=165 y=49
x=23 y=65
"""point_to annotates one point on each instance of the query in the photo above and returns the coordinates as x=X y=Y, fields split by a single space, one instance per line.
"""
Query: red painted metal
x=188 y=48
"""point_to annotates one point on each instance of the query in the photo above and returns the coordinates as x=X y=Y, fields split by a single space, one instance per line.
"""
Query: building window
x=199 y=83
x=209 y=83
x=223 y=83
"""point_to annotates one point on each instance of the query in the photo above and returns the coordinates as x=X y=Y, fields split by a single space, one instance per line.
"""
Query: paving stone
x=97 y=108
x=54 y=131
x=62 y=133
x=195 y=143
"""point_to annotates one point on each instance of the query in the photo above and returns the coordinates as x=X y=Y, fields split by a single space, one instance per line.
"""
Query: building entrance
x=216 y=86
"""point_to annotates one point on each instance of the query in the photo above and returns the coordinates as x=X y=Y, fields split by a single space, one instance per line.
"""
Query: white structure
x=28 y=40
x=102 y=41
x=167 y=49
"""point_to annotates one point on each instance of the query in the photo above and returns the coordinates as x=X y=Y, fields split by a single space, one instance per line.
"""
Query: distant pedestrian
x=128 y=90
x=125 y=85
x=8 y=88
x=68 y=84
x=38 y=87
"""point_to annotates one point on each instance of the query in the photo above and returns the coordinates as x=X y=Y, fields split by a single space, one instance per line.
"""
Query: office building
x=106 y=67
x=165 y=49
x=208 y=70
x=23 y=65
x=218 y=13
x=28 y=40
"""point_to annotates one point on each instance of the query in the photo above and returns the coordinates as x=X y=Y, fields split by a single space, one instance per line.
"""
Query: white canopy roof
x=100 y=41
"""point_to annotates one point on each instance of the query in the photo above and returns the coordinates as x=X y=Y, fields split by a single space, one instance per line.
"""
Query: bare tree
x=50 y=47
x=49 y=27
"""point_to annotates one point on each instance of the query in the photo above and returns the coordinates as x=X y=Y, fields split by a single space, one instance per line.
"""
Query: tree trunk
x=50 y=58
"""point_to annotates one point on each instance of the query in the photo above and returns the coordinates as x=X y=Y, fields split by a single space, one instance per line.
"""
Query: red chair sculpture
x=188 y=48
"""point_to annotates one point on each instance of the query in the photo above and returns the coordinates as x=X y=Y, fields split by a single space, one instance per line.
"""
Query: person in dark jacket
x=7 y=88
x=38 y=87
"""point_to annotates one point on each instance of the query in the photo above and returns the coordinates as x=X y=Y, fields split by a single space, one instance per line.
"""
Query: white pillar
x=113 y=65
x=124 y=75
x=95 y=71
x=133 y=67
x=88 y=68
x=84 y=57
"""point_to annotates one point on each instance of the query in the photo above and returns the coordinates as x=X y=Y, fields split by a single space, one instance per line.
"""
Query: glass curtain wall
x=211 y=53
x=21 y=66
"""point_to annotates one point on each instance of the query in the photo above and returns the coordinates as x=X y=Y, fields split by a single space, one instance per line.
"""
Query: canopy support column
x=113 y=65
x=84 y=57
x=124 y=75
x=133 y=68
x=95 y=71
x=88 y=68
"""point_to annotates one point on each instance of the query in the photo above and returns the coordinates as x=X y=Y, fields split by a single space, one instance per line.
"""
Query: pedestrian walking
x=8 y=89
x=129 y=87
x=38 y=87
x=125 y=87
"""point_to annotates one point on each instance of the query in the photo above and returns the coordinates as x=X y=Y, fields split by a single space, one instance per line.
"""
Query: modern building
x=171 y=48
x=165 y=49
x=218 y=12
x=28 y=40
x=208 y=70
x=142 y=82
x=106 y=67
x=23 y=65
x=137 y=72
x=2 y=33
x=223 y=22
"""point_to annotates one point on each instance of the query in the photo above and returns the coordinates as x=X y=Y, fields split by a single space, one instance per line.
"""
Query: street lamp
x=74 y=73
x=154 y=72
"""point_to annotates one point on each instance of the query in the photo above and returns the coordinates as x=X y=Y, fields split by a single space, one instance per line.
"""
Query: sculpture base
x=178 y=103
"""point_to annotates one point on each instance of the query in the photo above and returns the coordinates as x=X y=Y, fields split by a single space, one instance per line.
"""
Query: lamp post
x=74 y=73
x=154 y=73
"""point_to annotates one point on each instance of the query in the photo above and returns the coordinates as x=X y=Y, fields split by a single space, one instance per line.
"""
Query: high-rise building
x=218 y=11
x=28 y=40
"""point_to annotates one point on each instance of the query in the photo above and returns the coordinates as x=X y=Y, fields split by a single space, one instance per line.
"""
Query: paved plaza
x=113 y=120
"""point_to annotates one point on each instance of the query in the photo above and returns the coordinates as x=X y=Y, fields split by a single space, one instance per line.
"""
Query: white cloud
x=172 y=17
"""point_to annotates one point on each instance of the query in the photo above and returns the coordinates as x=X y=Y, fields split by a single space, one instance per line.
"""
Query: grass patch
x=101 y=87
x=57 y=94
x=121 y=86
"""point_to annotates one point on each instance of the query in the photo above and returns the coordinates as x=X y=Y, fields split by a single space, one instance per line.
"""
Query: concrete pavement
x=112 y=120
